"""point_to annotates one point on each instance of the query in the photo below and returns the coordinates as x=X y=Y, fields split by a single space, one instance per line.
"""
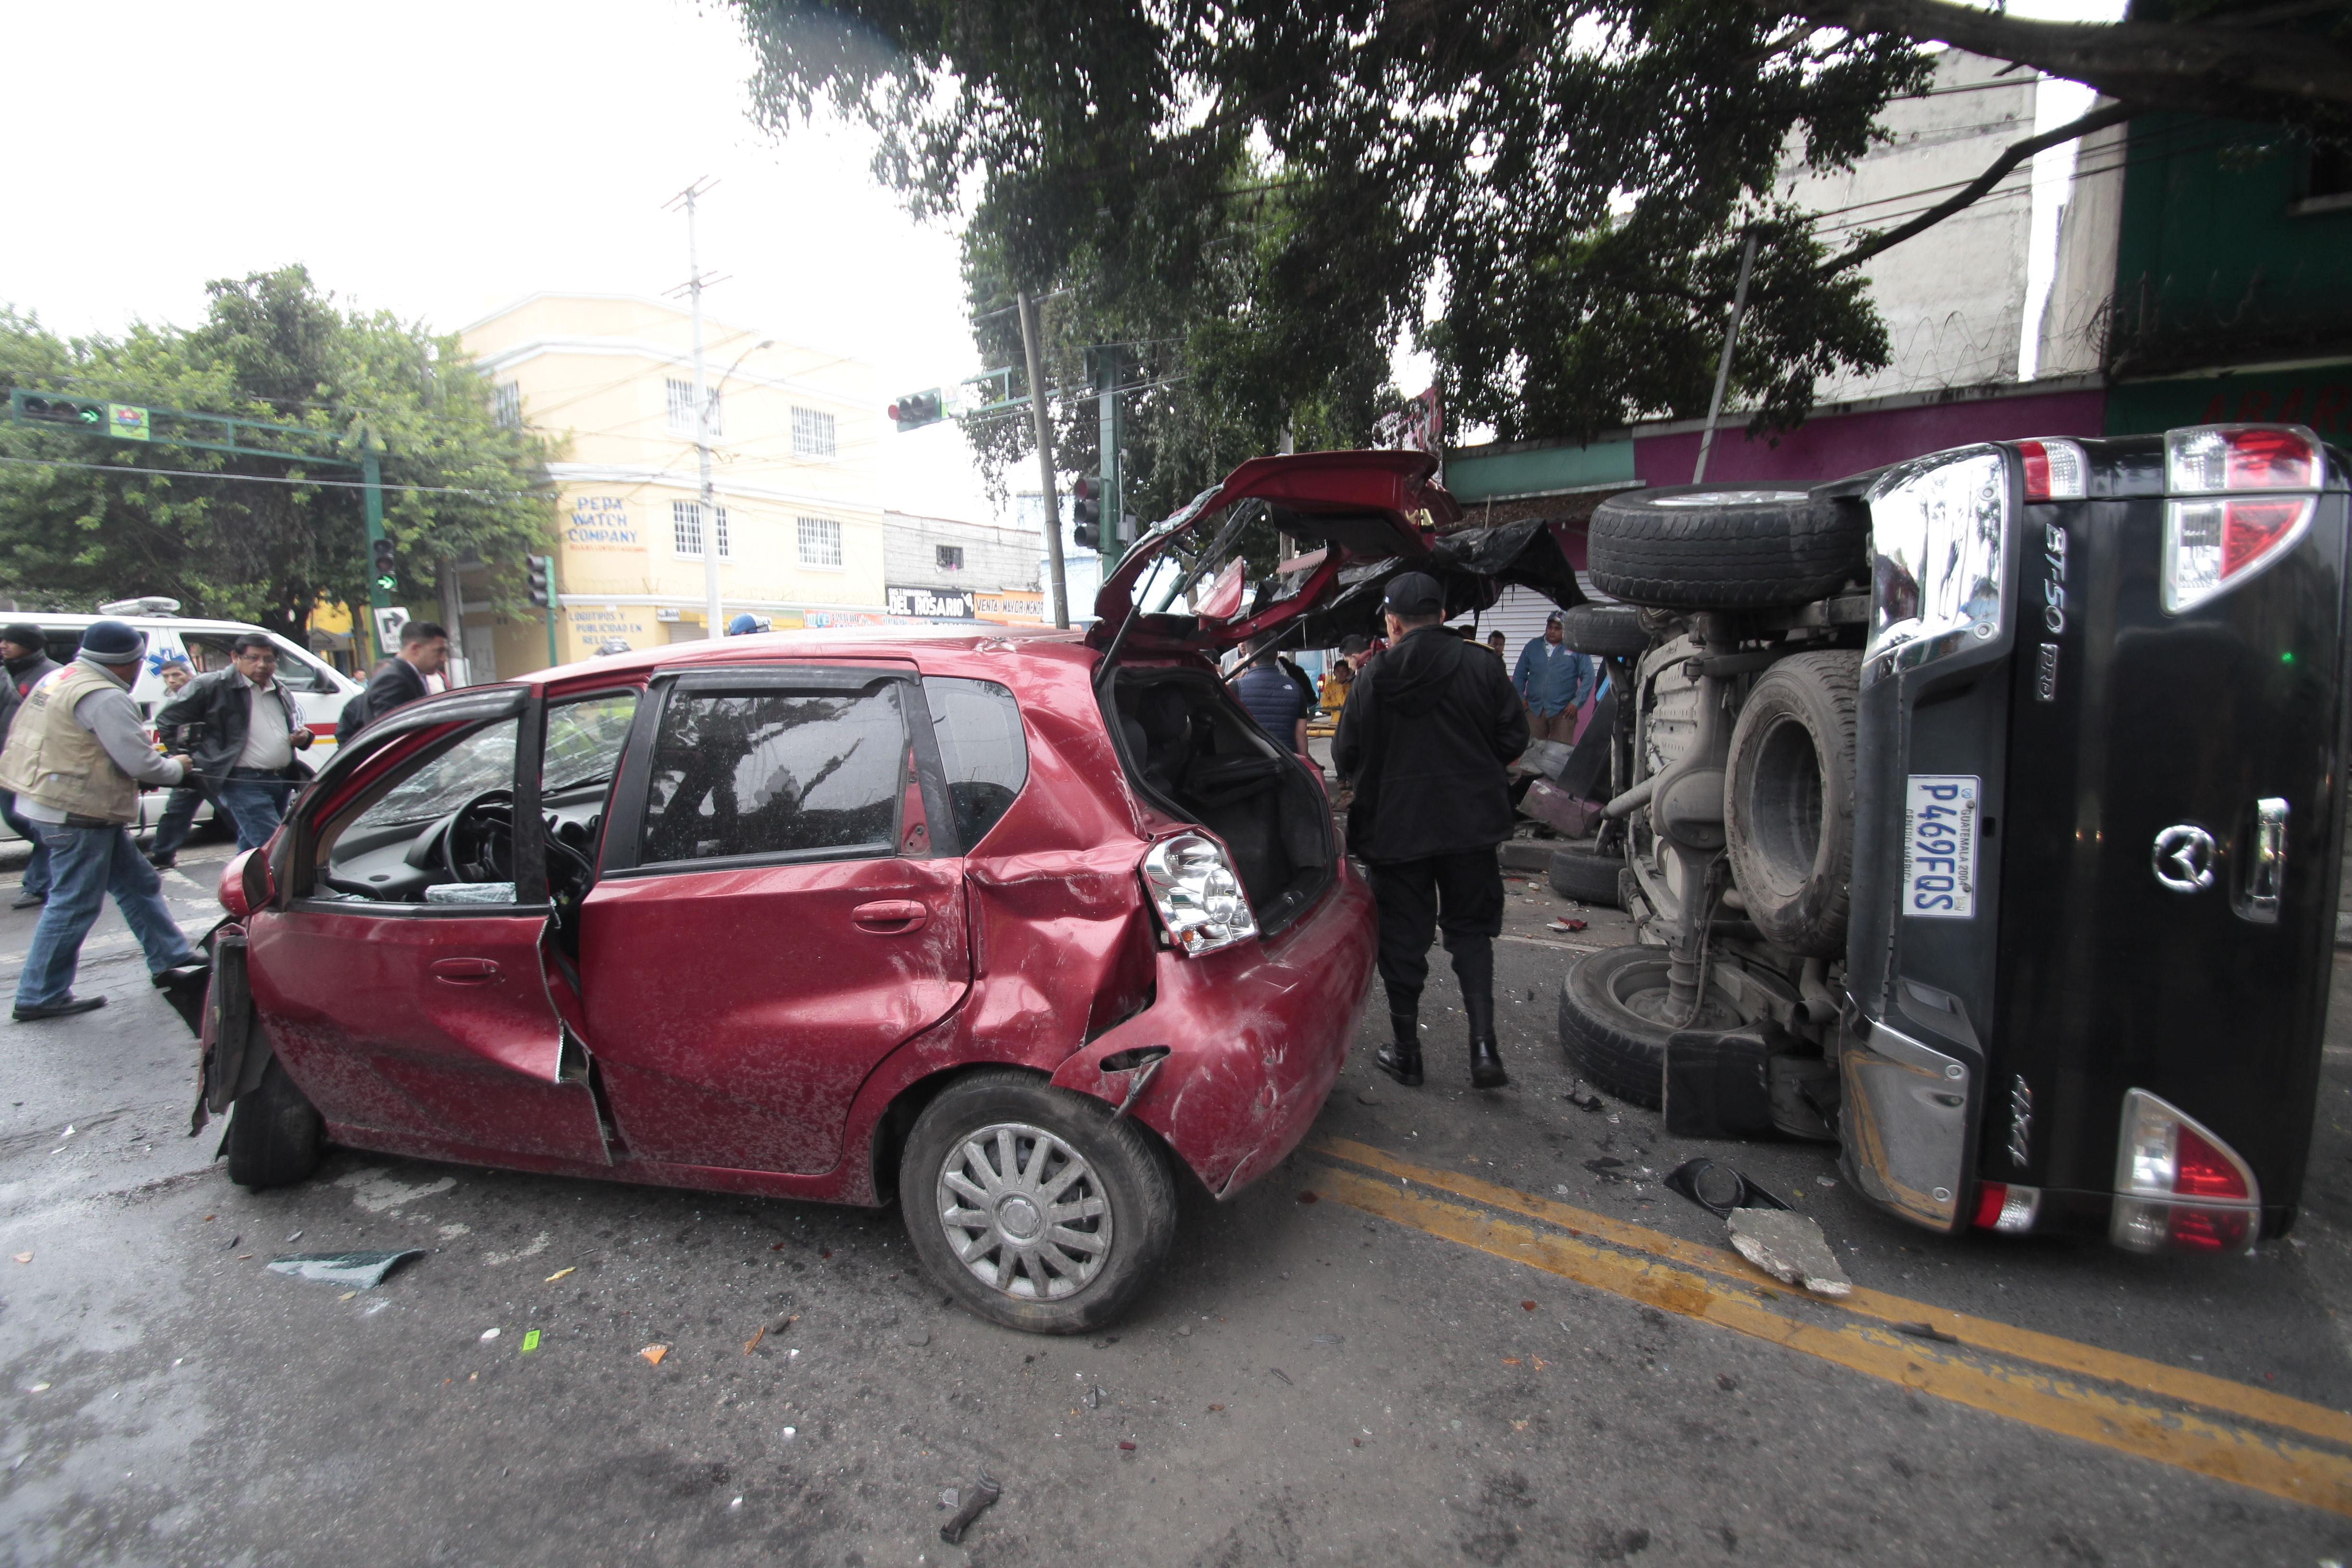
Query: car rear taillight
x=2006 y=1208
x=2055 y=470
x=1200 y=899
x=2179 y=1188
x=2224 y=517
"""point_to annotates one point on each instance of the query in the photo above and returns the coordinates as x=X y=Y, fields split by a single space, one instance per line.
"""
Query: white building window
x=950 y=557
x=820 y=542
x=812 y=434
x=686 y=530
x=681 y=409
x=506 y=404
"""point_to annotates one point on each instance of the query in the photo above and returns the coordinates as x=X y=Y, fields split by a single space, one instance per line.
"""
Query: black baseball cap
x=1414 y=594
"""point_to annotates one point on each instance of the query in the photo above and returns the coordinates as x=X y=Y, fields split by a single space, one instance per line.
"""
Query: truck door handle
x=2266 y=866
x=464 y=971
x=890 y=917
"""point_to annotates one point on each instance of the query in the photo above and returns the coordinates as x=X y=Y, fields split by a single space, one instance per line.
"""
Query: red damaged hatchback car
x=996 y=924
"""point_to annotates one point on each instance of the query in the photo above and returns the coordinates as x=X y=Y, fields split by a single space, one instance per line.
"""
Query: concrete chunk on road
x=1789 y=1247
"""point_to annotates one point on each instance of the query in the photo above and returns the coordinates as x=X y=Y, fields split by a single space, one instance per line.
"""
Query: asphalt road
x=1481 y=1341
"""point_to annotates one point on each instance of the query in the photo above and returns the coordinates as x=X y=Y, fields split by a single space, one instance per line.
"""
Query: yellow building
x=795 y=437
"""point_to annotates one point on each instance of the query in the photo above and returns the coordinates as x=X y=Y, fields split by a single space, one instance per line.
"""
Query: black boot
x=1485 y=1061
x=1402 y=1060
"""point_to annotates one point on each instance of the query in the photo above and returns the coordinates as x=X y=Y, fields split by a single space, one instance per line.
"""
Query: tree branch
x=2234 y=71
x=2013 y=154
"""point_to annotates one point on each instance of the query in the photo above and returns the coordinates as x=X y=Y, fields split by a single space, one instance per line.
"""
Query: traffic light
x=918 y=409
x=1087 y=493
x=385 y=565
x=77 y=412
x=542 y=580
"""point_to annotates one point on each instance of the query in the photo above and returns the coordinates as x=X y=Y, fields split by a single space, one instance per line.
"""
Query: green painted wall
x=2320 y=397
x=1538 y=470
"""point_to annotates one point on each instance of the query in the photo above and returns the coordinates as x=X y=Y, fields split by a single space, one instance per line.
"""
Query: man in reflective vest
x=76 y=757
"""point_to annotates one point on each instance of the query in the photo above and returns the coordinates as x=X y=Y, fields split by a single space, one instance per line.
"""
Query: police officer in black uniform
x=1428 y=729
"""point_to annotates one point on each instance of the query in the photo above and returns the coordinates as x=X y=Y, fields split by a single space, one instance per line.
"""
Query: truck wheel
x=274 y=1133
x=1586 y=875
x=1697 y=547
x=1604 y=631
x=1612 y=1021
x=1789 y=803
x=1030 y=1205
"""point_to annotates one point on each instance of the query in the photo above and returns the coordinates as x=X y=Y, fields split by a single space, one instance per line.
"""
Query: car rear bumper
x=1256 y=1037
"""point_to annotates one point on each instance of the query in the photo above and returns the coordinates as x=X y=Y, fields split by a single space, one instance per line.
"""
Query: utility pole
x=706 y=511
x=1114 y=497
x=1045 y=429
x=1723 y=366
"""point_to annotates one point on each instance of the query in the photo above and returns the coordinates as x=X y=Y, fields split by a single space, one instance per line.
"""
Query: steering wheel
x=478 y=844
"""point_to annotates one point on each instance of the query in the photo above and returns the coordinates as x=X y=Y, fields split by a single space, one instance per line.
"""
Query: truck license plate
x=1940 y=846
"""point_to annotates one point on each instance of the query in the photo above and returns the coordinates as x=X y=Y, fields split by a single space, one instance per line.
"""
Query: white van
x=320 y=689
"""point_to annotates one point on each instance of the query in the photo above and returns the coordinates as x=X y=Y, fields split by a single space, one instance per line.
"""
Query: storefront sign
x=601 y=522
x=930 y=604
x=989 y=606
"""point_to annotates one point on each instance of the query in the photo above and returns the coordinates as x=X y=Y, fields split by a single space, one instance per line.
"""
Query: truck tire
x=1604 y=631
x=1789 y=801
x=1586 y=875
x=274 y=1133
x=985 y=1168
x=1697 y=547
x=1610 y=1024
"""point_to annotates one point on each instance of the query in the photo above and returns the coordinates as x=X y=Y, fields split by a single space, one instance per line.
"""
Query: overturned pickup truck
x=1983 y=814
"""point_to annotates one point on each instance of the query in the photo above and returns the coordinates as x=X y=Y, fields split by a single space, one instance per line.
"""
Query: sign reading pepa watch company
x=930 y=604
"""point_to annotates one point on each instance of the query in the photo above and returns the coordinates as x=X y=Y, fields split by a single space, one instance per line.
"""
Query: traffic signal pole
x=1114 y=494
x=1045 y=429
x=371 y=500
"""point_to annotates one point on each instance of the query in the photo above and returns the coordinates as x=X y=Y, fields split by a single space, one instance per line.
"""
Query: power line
x=272 y=480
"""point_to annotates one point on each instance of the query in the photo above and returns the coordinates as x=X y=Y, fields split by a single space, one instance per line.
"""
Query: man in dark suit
x=400 y=680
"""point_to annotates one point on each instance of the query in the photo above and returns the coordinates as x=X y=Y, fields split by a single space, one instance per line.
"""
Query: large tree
x=235 y=540
x=1568 y=184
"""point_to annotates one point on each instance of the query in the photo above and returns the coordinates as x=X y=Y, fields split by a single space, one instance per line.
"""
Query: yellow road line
x=1977 y=1333
x=2281 y=1468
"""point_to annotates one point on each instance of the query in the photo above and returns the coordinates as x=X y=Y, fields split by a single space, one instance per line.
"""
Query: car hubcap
x=1024 y=1211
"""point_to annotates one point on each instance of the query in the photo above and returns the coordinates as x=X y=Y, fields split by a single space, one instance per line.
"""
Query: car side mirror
x=246 y=884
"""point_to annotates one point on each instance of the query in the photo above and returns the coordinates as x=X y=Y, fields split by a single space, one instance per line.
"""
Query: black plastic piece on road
x=1719 y=1189
x=984 y=1494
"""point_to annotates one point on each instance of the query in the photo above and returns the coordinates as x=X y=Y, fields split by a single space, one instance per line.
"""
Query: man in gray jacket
x=24 y=649
x=75 y=756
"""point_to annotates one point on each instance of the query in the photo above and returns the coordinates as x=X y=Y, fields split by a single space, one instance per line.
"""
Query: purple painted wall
x=1837 y=445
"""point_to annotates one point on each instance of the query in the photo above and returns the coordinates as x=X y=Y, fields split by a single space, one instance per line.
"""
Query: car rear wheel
x=1032 y=1206
x=274 y=1133
x=1789 y=802
x=1586 y=875
x=1697 y=547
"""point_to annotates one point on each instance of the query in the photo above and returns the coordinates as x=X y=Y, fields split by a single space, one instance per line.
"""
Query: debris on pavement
x=530 y=1340
x=1789 y=1247
x=1565 y=925
x=753 y=1343
x=362 y=1270
x=1719 y=1189
x=984 y=1494
x=489 y=1335
x=557 y=1275
x=1124 y=1447
x=1280 y=1374
x=1584 y=1100
x=1928 y=1332
x=654 y=1353
x=24 y=1258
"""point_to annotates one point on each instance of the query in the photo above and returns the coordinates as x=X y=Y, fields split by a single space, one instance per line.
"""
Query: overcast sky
x=439 y=159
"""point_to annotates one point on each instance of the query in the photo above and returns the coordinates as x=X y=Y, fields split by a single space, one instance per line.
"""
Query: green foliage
x=1282 y=189
x=274 y=348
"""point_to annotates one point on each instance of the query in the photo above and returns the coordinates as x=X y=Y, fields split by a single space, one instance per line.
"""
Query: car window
x=771 y=772
x=982 y=750
x=207 y=651
x=484 y=760
x=584 y=739
x=296 y=672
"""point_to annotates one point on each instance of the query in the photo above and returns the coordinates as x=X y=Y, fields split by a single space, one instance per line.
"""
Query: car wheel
x=1613 y=1020
x=1032 y=1206
x=1586 y=875
x=274 y=1133
x=1604 y=631
x=1789 y=803
x=1695 y=547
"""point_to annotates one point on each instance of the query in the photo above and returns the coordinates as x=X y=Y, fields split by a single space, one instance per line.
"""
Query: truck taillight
x=2224 y=516
x=2055 y=470
x=2179 y=1188
x=2007 y=1208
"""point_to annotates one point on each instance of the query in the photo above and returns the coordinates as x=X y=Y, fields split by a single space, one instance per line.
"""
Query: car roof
x=855 y=642
x=190 y=623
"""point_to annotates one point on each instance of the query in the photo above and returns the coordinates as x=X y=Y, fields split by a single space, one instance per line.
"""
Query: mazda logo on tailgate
x=2184 y=859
